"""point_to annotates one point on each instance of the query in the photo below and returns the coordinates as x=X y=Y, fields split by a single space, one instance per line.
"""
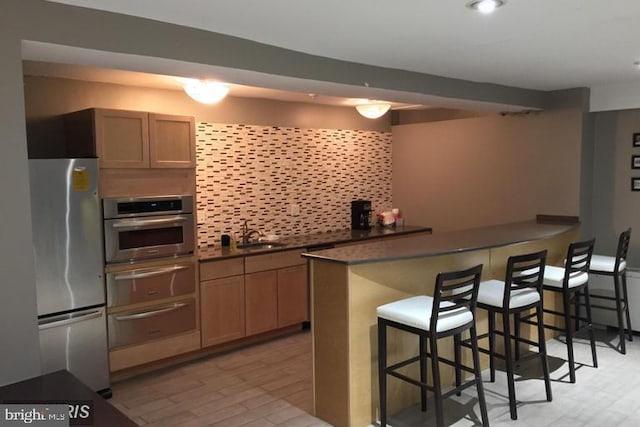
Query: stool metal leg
x=587 y=301
x=621 y=333
x=542 y=349
x=516 y=332
x=437 y=387
x=492 y=344
x=382 y=366
x=476 y=368
x=508 y=358
x=626 y=304
x=566 y=302
x=576 y=307
x=457 y=347
x=423 y=372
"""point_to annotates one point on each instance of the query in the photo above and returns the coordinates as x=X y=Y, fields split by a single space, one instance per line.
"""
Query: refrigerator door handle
x=141 y=223
x=151 y=273
x=152 y=313
x=45 y=324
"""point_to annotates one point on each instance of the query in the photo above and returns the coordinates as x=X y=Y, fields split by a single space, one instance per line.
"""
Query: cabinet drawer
x=224 y=268
x=137 y=326
x=273 y=261
x=150 y=284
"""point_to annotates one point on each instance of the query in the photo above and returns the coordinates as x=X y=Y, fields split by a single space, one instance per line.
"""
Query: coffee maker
x=361 y=215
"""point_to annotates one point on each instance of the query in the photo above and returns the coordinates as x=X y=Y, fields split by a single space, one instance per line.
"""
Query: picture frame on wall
x=635 y=161
x=636 y=139
x=635 y=184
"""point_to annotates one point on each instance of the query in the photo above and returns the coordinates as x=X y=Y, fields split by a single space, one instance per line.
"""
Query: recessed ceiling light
x=485 y=6
x=637 y=64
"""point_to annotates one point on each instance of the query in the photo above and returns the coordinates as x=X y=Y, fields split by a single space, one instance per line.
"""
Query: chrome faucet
x=246 y=233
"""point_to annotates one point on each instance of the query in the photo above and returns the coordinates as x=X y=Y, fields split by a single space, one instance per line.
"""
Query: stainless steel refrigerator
x=67 y=241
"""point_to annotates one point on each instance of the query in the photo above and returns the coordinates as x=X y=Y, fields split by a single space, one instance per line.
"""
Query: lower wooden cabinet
x=293 y=295
x=272 y=293
x=222 y=303
x=261 y=303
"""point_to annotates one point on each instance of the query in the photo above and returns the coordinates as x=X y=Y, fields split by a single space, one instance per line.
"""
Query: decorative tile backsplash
x=258 y=172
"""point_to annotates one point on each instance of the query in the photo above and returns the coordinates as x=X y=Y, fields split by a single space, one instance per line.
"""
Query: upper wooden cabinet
x=131 y=139
x=172 y=141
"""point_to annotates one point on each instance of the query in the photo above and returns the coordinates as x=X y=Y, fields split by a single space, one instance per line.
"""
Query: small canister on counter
x=225 y=239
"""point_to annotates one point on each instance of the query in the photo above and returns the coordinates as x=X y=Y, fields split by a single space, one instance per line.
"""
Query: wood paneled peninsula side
x=348 y=283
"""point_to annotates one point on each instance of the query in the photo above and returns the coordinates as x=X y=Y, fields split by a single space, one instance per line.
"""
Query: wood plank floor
x=263 y=385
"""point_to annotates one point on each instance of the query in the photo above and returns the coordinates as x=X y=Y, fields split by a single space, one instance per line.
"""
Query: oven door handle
x=151 y=273
x=68 y=320
x=151 y=313
x=141 y=223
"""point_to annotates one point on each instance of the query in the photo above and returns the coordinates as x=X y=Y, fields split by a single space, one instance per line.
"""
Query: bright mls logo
x=37 y=415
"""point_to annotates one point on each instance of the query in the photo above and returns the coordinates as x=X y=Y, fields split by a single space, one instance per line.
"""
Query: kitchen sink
x=261 y=246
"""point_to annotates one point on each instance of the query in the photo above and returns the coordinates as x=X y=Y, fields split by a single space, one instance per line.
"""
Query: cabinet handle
x=142 y=223
x=150 y=273
x=151 y=313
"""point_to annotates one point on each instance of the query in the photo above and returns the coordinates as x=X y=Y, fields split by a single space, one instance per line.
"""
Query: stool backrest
x=455 y=290
x=524 y=271
x=578 y=259
x=623 y=248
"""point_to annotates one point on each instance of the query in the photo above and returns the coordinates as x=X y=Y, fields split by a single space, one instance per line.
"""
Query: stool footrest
x=499 y=355
x=606 y=307
x=414 y=359
x=410 y=380
x=592 y=296
x=459 y=388
x=403 y=363
x=467 y=342
x=528 y=356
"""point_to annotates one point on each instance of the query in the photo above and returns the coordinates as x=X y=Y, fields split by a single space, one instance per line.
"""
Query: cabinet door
x=172 y=141
x=222 y=310
x=293 y=296
x=122 y=138
x=261 y=301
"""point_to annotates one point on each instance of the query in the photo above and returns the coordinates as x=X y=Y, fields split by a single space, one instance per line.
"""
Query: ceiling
x=541 y=44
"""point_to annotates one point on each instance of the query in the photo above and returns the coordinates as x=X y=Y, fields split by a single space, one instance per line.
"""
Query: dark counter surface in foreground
x=308 y=241
x=441 y=243
x=62 y=386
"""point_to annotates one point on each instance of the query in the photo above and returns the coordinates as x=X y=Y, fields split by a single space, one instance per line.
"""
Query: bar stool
x=449 y=312
x=521 y=291
x=570 y=281
x=616 y=267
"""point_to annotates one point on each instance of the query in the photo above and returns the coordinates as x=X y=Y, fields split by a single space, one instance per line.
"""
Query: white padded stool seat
x=416 y=312
x=491 y=292
x=553 y=276
x=605 y=263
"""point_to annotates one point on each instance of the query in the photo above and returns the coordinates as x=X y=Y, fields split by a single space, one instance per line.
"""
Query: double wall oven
x=150 y=275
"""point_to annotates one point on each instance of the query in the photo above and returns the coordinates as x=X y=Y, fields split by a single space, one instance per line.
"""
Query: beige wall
x=480 y=171
x=615 y=206
x=47 y=98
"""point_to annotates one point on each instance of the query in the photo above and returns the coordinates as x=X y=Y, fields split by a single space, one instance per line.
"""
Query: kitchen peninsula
x=347 y=284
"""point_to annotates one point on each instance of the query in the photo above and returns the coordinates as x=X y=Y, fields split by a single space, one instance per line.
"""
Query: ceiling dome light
x=485 y=6
x=373 y=110
x=206 y=92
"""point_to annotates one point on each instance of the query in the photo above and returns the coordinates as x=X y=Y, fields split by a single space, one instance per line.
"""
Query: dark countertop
x=308 y=241
x=441 y=243
x=62 y=387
